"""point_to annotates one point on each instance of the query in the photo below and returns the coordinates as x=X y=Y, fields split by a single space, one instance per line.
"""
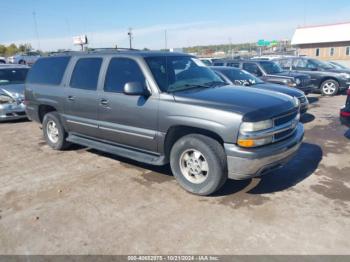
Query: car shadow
x=307 y=118
x=299 y=168
x=313 y=99
x=164 y=170
x=16 y=121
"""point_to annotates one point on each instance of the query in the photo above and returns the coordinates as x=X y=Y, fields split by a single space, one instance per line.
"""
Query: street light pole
x=130 y=37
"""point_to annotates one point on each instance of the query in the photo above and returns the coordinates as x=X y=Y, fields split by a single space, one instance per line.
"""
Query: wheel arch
x=174 y=133
x=43 y=109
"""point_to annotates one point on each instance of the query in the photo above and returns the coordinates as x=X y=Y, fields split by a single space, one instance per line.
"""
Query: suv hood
x=252 y=103
x=16 y=91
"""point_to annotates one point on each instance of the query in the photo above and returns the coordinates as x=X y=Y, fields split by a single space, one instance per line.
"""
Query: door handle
x=71 y=98
x=104 y=102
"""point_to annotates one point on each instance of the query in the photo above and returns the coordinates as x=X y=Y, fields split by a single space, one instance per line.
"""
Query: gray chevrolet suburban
x=160 y=108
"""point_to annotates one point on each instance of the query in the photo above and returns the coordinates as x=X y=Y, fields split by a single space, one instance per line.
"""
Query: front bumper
x=247 y=163
x=12 y=111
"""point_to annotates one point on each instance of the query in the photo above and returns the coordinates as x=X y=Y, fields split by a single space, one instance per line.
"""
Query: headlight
x=345 y=75
x=297 y=81
x=255 y=126
x=4 y=99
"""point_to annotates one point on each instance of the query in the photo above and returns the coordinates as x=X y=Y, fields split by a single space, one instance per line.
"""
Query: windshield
x=320 y=64
x=241 y=77
x=175 y=73
x=13 y=76
x=337 y=65
x=271 y=67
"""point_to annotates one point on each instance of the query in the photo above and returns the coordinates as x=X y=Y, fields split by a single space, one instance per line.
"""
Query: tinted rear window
x=48 y=71
x=85 y=74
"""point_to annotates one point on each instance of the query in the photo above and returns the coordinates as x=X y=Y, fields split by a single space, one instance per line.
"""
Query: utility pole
x=130 y=37
x=36 y=29
x=166 y=39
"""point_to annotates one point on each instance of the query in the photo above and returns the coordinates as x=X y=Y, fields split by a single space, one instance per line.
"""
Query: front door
x=81 y=99
x=125 y=119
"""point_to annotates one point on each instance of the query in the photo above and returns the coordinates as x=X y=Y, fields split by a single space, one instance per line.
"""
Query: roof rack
x=111 y=49
x=92 y=50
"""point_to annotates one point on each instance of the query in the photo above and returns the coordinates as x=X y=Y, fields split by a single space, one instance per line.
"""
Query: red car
x=345 y=111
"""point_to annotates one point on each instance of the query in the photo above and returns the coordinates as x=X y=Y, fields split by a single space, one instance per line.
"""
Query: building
x=324 y=42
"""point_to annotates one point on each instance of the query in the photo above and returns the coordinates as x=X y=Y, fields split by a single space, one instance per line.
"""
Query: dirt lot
x=84 y=202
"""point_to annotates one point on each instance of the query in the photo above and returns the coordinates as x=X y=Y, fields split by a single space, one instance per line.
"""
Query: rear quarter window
x=48 y=71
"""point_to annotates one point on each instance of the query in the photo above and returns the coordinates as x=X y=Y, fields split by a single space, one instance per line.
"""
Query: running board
x=118 y=150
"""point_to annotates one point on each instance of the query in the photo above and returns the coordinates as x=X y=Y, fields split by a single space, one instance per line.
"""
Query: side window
x=121 y=71
x=252 y=68
x=48 y=71
x=85 y=73
x=218 y=64
x=299 y=64
x=233 y=65
x=310 y=65
x=284 y=63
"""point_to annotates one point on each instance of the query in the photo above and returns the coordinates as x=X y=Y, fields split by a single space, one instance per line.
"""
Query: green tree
x=11 y=50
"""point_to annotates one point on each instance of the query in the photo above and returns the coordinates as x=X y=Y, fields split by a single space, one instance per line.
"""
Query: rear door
x=126 y=119
x=81 y=100
x=301 y=65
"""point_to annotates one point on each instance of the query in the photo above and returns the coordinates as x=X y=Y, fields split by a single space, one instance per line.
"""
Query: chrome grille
x=285 y=125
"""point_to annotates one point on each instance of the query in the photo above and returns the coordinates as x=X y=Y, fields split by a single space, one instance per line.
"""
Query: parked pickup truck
x=160 y=108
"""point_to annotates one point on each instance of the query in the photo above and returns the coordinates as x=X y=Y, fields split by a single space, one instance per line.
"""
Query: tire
x=22 y=62
x=58 y=141
x=330 y=87
x=212 y=160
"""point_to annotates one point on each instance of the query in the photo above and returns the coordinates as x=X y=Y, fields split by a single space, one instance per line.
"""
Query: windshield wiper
x=187 y=87
x=215 y=83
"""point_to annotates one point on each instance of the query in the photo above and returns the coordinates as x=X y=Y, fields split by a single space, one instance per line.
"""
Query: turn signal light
x=246 y=142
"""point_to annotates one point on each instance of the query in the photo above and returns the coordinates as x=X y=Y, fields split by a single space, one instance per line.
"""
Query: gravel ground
x=82 y=201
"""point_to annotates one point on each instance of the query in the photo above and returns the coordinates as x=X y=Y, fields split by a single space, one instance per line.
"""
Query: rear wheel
x=329 y=87
x=199 y=164
x=54 y=133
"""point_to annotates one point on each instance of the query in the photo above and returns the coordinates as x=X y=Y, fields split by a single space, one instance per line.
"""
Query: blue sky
x=188 y=23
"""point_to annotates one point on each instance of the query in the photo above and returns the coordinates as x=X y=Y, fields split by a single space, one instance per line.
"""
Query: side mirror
x=135 y=89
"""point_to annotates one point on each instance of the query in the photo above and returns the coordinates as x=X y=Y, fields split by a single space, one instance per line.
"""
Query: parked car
x=159 y=108
x=12 y=92
x=324 y=78
x=345 y=111
x=235 y=76
x=28 y=58
x=2 y=60
x=269 y=71
x=338 y=65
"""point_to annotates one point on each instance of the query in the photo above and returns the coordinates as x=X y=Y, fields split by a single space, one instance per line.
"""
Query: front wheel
x=199 y=164
x=329 y=87
x=54 y=133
